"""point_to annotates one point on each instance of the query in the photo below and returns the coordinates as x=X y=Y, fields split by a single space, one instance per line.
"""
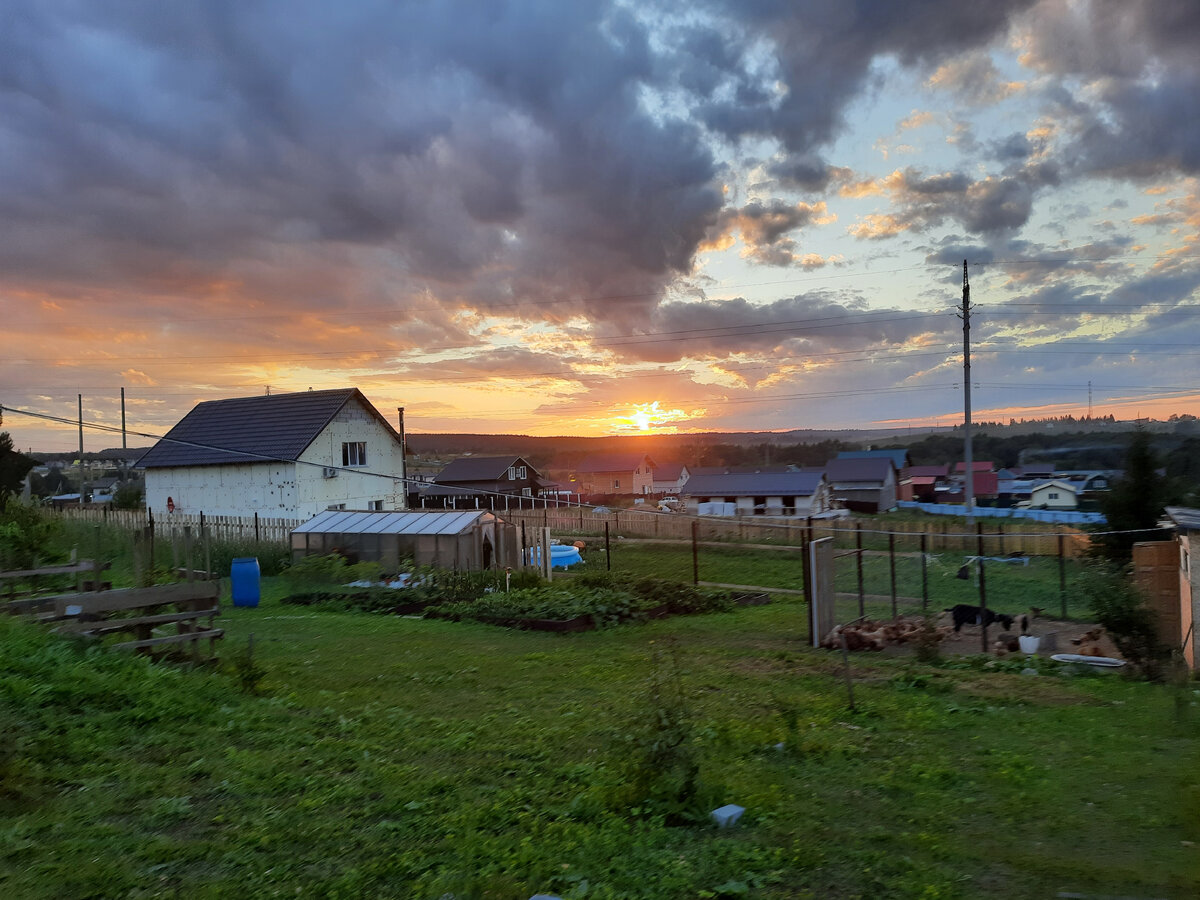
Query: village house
x=863 y=484
x=670 y=477
x=921 y=483
x=280 y=456
x=782 y=494
x=1055 y=494
x=494 y=482
x=615 y=473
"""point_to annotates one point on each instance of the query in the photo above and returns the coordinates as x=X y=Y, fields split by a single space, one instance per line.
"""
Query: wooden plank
x=211 y=633
x=135 y=598
x=82 y=567
x=110 y=626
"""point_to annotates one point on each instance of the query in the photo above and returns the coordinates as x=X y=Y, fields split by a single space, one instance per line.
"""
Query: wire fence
x=882 y=569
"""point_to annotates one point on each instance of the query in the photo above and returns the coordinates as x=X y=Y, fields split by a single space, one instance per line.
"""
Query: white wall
x=285 y=489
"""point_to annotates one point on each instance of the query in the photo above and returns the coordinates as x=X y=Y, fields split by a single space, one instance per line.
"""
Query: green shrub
x=1123 y=612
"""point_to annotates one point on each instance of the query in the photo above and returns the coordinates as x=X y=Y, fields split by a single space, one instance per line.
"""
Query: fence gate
x=820 y=589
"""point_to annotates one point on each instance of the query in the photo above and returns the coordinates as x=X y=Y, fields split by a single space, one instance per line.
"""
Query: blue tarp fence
x=1059 y=516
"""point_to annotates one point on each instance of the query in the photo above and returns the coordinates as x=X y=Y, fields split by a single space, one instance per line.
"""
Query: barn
x=463 y=540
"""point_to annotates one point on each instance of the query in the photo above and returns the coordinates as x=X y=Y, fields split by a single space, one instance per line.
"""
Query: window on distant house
x=516 y=473
x=616 y=482
x=375 y=505
x=354 y=453
x=522 y=472
x=336 y=506
x=1053 y=495
x=760 y=506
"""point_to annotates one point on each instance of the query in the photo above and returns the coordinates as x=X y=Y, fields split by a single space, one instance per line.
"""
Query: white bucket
x=1029 y=643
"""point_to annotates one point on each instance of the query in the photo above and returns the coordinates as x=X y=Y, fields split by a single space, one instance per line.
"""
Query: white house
x=669 y=477
x=1053 y=495
x=280 y=455
x=785 y=494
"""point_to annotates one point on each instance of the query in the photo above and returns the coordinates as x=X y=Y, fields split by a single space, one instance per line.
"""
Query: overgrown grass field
x=410 y=758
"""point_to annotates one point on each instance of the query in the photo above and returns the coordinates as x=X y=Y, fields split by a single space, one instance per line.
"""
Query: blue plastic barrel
x=243 y=576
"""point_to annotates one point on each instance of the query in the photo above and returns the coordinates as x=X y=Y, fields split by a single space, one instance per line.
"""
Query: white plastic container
x=1029 y=643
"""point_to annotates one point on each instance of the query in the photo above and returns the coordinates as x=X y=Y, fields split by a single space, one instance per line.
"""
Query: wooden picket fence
x=218 y=527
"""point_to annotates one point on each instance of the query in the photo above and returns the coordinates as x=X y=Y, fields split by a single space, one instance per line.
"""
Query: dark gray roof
x=752 y=484
x=899 y=458
x=865 y=469
x=251 y=429
x=481 y=468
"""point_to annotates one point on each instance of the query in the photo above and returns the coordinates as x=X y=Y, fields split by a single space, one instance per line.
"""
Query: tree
x=1134 y=504
x=14 y=466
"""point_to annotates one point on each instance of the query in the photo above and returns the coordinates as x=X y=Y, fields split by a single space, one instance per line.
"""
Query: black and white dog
x=965 y=614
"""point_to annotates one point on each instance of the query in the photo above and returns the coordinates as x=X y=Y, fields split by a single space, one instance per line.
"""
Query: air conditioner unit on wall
x=329 y=472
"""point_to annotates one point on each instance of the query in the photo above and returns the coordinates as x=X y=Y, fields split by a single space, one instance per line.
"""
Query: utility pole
x=124 y=439
x=969 y=492
x=81 y=481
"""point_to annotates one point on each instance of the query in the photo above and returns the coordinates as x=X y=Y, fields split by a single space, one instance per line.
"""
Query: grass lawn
x=395 y=757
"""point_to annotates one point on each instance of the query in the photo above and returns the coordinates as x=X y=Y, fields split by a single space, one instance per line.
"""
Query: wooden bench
x=96 y=615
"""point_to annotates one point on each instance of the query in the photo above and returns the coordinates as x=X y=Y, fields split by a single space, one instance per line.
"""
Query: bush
x=26 y=534
x=1122 y=610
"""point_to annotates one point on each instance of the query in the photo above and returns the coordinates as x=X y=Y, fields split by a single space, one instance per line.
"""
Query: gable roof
x=668 y=471
x=899 y=458
x=866 y=469
x=252 y=429
x=613 y=462
x=481 y=468
x=750 y=484
x=1054 y=482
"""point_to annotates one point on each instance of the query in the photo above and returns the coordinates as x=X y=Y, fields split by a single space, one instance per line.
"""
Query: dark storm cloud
x=1142 y=63
x=721 y=329
x=472 y=143
x=992 y=205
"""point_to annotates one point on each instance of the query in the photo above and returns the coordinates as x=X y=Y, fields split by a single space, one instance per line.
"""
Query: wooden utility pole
x=969 y=484
x=81 y=484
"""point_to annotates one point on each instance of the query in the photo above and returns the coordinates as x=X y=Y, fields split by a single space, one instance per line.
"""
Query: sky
x=586 y=218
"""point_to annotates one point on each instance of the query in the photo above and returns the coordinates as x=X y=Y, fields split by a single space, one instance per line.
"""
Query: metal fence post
x=924 y=575
x=607 y=548
x=892 y=563
x=859 y=558
x=982 y=591
x=1062 y=577
x=695 y=553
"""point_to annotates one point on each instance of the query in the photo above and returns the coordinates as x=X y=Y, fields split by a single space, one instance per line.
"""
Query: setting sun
x=650 y=417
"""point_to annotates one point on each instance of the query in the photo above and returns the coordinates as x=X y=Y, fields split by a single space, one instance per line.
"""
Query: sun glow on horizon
x=648 y=417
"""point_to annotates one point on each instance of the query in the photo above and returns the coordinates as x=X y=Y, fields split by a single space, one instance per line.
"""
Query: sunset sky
x=583 y=217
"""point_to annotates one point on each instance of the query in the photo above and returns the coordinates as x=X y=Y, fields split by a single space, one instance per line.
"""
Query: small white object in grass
x=780 y=746
x=728 y=815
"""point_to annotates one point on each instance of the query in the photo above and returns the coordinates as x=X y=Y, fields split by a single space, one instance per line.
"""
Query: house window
x=354 y=453
x=1053 y=495
x=616 y=482
x=375 y=505
x=336 y=506
x=526 y=492
x=789 y=506
x=760 y=506
x=516 y=473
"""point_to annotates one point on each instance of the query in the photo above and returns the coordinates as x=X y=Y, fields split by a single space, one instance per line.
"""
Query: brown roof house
x=486 y=482
x=279 y=455
x=864 y=484
x=615 y=473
